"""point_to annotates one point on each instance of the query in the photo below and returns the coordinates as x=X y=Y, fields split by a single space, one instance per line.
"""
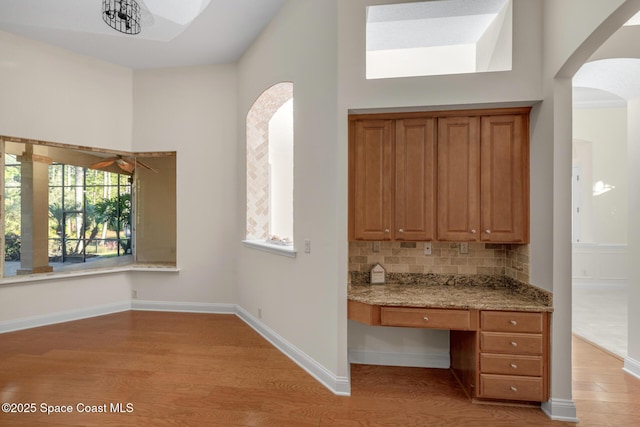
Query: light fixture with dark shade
x=122 y=15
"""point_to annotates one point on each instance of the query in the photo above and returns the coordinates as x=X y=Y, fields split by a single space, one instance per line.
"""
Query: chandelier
x=122 y=15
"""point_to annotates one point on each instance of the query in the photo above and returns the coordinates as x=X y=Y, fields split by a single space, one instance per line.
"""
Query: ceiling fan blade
x=144 y=165
x=103 y=164
x=126 y=165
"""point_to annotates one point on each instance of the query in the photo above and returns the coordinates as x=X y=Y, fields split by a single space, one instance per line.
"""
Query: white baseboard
x=631 y=367
x=186 y=307
x=338 y=385
x=560 y=410
x=63 y=316
x=417 y=360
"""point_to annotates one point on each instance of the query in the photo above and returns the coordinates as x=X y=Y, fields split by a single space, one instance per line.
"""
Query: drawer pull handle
x=513 y=322
x=514 y=344
x=514 y=388
x=514 y=366
x=425 y=318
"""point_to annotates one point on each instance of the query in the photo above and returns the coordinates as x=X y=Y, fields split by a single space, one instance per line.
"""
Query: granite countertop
x=464 y=292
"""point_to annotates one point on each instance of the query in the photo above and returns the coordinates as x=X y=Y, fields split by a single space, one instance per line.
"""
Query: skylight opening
x=635 y=20
x=438 y=37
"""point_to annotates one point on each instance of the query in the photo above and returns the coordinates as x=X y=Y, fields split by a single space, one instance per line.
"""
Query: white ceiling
x=617 y=76
x=221 y=34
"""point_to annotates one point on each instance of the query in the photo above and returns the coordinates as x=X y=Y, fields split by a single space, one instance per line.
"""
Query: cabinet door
x=415 y=179
x=458 y=178
x=371 y=179
x=505 y=179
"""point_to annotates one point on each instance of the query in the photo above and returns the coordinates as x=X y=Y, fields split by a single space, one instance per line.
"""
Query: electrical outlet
x=376 y=247
x=464 y=248
x=427 y=248
x=307 y=246
x=134 y=294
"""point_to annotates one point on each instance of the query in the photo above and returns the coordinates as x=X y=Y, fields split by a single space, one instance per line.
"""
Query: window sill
x=27 y=278
x=281 y=250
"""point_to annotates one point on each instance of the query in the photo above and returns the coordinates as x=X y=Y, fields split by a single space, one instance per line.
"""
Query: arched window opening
x=270 y=167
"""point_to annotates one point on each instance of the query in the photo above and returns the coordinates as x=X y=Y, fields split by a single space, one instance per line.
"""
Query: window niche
x=79 y=208
x=269 y=193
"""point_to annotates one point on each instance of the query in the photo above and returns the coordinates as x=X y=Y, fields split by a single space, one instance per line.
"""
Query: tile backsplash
x=408 y=257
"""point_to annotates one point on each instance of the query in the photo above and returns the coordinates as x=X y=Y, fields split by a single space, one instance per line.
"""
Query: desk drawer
x=511 y=321
x=498 y=342
x=426 y=318
x=510 y=364
x=511 y=387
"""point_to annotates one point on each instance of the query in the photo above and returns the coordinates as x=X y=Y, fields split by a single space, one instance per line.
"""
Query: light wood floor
x=178 y=369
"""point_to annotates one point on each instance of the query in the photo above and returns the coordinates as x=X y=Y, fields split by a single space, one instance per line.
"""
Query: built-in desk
x=499 y=342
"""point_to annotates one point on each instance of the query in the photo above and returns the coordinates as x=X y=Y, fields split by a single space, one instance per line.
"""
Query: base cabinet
x=507 y=359
x=495 y=355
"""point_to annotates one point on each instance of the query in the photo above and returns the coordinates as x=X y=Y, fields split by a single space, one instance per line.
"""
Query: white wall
x=64 y=97
x=573 y=30
x=632 y=361
x=55 y=95
x=570 y=24
x=301 y=299
x=606 y=129
x=193 y=111
x=523 y=83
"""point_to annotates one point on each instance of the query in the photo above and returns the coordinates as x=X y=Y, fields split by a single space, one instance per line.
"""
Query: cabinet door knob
x=487 y=231
x=514 y=366
x=513 y=322
x=425 y=318
x=401 y=231
x=473 y=231
x=514 y=344
x=514 y=388
x=386 y=230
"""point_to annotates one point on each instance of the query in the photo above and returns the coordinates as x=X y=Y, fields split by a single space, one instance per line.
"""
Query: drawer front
x=508 y=364
x=511 y=321
x=498 y=342
x=425 y=318
x=511 y=387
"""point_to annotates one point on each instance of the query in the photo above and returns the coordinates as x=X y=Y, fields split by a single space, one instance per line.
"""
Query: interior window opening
x=78 y=208
x=438 y=37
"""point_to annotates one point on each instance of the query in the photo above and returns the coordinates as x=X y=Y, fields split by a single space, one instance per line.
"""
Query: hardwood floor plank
x=183 y=369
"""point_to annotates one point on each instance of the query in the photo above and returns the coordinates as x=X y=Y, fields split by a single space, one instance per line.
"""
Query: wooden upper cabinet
x=392 y=178
x=483 y=179
x=505 y=179
x=415 y=152
x=458 y=178
x=371 y=179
